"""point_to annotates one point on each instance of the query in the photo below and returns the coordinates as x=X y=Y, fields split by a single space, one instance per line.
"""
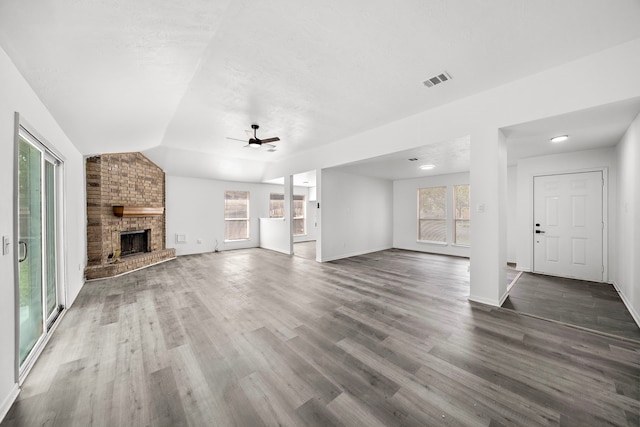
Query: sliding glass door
x=38 y=291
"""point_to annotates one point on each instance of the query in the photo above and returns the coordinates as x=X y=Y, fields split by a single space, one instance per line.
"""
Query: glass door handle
x=26 y=250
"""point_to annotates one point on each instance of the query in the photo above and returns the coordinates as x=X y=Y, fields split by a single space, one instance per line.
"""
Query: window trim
x=445 y=218
x=304 y=214
x=276 y=194
x=454 y=220
x=247 y=219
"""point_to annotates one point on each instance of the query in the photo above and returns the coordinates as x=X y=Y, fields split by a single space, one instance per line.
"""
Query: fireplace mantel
x=132 y=211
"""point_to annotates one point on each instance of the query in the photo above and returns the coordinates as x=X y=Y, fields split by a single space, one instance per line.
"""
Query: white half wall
x=17 y=96
x=357 y=214
x=195 y=208
x=578 y=161
x=274 y=235
x=627 y=235
x=405 y=208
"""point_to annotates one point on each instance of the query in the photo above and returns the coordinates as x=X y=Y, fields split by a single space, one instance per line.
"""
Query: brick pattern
x=127 y=179
x=127 y=264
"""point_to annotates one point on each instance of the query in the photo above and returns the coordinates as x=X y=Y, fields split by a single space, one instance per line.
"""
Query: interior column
x=288 y=208
x=488 y=180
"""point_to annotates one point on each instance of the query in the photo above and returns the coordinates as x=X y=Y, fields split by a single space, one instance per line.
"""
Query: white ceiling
x=175 y=78
x=304 y=179
x=447 y=157
x=598 y=127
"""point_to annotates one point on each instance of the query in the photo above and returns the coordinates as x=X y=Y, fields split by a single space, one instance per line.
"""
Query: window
x=299 y=210
x=461 y=218
x=236 y=215
x=276 y=205
x=276 y=210
x=432 y=214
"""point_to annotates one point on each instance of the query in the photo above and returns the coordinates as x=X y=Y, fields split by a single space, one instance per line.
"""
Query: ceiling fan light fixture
x=427 y=167
x=559 y=138
x=253 y=143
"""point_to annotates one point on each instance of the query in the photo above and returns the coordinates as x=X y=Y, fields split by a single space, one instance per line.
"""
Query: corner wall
x=357 y=214
x=195 y=208
x=18 y=96
x=627 y=235
x=512 y=213
x=561 y=163
x=405 y=208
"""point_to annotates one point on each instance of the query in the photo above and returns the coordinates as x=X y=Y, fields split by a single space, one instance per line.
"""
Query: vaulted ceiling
x=176 y=78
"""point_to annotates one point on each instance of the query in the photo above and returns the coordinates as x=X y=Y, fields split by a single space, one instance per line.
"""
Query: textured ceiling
x=175 y=78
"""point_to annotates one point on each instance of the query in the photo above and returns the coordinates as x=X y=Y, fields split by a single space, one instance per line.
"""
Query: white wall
x=563 y=89
x=195 y=207
x=405 y=208
x=562 y=163
x=512 y=213
x=357 y=214
x=274 y=235
x=18 y=96
x=627 y=236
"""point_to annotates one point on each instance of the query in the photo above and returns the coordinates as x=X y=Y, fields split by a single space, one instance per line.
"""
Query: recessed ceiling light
x=427 y=167
x=560 y=138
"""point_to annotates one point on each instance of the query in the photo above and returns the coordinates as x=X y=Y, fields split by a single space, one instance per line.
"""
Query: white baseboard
x=503 y=297
x=486 y=301
x=8 y=401
x=627 y=303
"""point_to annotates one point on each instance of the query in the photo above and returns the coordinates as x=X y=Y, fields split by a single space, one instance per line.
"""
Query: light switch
x=6 y=245
x=480 y=207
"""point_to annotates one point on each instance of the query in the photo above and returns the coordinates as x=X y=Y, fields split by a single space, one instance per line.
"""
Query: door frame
x=605 y=214
x=20 y=124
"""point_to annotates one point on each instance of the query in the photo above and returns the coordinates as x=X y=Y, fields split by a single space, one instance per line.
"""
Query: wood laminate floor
x=591 y=305
x=305 y=249
x=256 y=338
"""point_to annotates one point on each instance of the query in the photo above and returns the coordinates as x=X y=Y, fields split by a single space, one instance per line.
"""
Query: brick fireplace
x=125 y=214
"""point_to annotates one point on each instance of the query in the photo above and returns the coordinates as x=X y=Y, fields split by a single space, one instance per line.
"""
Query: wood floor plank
x=256 y=338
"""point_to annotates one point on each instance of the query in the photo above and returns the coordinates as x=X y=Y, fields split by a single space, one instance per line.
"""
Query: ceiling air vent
x=436 y=80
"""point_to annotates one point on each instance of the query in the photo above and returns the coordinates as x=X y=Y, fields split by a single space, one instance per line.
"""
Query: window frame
x=455 y=219
x=444 y=218
x=270 y=207
x=247 y=219
x=299 y=197
x=304 y=214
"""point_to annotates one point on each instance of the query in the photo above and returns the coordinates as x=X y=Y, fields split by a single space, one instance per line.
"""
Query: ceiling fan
x=254 y=141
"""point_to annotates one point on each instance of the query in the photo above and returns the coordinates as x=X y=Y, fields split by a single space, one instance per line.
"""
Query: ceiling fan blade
x=270 y=139
x=249 y=133
x=236 y=139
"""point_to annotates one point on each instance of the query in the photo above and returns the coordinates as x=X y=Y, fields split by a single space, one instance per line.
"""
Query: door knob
x=539 y=232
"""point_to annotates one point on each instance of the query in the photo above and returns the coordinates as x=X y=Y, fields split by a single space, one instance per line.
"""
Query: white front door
x=568 y=225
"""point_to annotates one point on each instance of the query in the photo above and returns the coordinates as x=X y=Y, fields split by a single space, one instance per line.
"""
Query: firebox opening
x=134 y=242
